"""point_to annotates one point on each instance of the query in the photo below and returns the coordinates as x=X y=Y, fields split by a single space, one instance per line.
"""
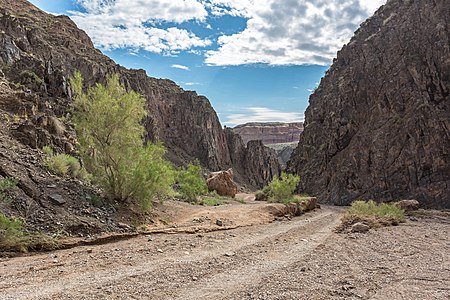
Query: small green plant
x=48 y=151
x=191 y=182
x=63 y=164
x=14 y=237
x=95 y=200
x=211 y=201
x=6 y=184
x=373 y=214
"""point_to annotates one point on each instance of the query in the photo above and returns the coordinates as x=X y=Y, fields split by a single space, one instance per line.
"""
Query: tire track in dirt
x=139 y=270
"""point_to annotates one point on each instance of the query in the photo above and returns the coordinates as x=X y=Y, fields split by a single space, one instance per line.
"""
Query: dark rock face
x=40 y=52
x=270 y=133
x=378 y=126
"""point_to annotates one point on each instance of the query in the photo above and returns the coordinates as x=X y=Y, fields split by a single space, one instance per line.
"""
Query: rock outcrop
x=270 y=133
x=257 y=163
x=40 y=52
x=378 y=126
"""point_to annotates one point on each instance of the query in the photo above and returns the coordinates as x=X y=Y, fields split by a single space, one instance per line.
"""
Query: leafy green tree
x=108 y=123
x=191 y=181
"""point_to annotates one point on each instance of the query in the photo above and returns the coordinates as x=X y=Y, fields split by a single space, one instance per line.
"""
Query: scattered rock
x=124 y=226
x=408 y=205
x=309 y=204
x=360 y=227
x=219 y=222
x=56 y=199
x=159 y=250
x=229 y=254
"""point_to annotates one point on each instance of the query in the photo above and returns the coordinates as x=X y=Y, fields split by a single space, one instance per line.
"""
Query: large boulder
x=222 y=183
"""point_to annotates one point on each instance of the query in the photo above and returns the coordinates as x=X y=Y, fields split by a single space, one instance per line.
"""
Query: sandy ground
x=302 y=258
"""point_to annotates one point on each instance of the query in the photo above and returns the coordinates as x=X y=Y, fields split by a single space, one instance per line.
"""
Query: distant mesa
x=270 y=133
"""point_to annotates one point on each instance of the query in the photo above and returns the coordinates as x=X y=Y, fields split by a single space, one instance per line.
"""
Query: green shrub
x=6 y=184
x=63 y=164
x=14 y=237
x=373 y=214
x=48 y=151
x=282 y=189
x=208 y=201
x=191 y=182
x=108 y=121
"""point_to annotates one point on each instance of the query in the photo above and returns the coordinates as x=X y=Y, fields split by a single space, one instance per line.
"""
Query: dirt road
x=298 y=259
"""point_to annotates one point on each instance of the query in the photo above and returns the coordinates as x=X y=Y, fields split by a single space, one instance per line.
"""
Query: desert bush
x=6 y=184
x=48 y=151
x=373 y=214
x=14 y=237
x=65 y=165
x=191 y=182
x=108 y=121
x=281 y=189
x=211 y=201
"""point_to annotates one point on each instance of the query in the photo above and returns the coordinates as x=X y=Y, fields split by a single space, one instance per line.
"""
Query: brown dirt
x=298 y=259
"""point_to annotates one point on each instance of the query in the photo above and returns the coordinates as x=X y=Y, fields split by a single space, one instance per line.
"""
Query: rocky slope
x=39 y=53
x=270 y=133
x=378 y=126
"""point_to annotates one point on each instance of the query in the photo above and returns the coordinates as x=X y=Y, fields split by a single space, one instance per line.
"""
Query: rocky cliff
x=39 y=52
x=378 y=126
x=255 y=162
x=270 y=133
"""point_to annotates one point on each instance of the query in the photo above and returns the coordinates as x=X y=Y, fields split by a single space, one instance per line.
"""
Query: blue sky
x=256 y=60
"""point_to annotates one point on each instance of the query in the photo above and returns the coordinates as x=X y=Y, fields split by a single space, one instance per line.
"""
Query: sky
x=255 y=60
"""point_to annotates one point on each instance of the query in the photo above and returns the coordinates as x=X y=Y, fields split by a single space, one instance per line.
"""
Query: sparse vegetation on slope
x=6 y=184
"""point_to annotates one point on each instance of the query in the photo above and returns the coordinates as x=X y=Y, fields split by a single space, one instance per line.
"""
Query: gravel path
x=298 y=259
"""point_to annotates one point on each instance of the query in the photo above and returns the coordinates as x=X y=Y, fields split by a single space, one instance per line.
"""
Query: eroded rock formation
x=378 y=126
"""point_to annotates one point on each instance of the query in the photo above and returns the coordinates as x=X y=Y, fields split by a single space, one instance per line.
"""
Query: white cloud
x=278 y=32
x=262 y=114
x=284 y=32
x=181 y=67
x=133 y=24
x=192 y=83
